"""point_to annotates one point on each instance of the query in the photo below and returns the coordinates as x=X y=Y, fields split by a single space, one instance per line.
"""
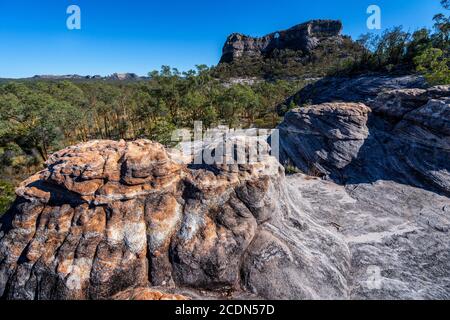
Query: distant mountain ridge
x=112 y=77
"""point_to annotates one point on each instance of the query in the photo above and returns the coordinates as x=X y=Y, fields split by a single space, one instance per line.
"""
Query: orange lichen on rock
x=147 y=294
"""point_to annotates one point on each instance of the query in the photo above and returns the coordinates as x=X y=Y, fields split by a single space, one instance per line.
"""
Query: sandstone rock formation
x=384 y=185
x=108 y=216
x=350 y=89
x=304 y=37
x=130 y=220
x=403 y=136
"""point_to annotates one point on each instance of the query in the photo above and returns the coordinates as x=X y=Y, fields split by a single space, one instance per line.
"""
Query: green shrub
x=291 y=170
x=7 y=196
x=434 y=66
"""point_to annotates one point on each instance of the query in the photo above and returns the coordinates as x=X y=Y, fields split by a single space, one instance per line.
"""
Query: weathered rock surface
x=350 y=89
x=402 y=135
x=143 y=294
x=304 y=37
x=384 y=187
x=130 y=220
x=108 y=216
x=397 y=235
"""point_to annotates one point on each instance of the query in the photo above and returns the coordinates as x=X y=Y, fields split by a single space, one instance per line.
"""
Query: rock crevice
x=400 y=135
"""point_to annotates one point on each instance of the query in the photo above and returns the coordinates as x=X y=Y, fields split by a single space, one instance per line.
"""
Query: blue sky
x=140 y=36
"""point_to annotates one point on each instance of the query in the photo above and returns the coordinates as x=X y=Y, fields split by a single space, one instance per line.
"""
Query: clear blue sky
x=139 y=36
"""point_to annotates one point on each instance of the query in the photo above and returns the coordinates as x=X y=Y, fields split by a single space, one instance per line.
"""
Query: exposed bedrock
x=401 y=135
x=382 y=185
x=106 y=217
x=304 y=37
x=362 y=89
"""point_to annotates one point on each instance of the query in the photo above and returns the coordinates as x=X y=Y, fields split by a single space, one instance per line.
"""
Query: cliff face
x=304 y=37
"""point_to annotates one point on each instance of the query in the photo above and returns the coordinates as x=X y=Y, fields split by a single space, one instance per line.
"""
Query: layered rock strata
x=304 y=37
x=106 y=217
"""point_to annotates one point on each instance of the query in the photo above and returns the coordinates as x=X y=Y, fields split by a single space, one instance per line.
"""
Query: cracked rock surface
x=378 y=178
x=106 y=217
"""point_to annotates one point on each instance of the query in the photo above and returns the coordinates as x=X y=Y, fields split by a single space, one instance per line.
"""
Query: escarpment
x=304 y=37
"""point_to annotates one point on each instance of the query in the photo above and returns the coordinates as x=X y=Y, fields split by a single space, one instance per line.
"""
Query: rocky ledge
x=401 y=135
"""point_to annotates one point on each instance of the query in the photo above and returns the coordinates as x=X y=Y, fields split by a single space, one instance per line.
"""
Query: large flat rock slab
x=398 y=236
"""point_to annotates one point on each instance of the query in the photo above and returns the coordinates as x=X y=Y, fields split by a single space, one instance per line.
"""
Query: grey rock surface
x=397 y=235
x=108 y=216
x=381 y=186
x=403 y=137
x=351 y=89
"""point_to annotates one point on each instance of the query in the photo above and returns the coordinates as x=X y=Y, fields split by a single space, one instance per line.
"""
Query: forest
x=40 y=117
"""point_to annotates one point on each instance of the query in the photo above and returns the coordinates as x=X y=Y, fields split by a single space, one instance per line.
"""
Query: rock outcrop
x=401 y=135
x=106 y=217
x=321 y=138
x=113 y=77
x=304 y=37
x=350 y=89
x=397 y=235
x=383 y=185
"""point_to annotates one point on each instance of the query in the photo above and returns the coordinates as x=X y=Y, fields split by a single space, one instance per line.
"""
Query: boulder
x=105 y=217
x=397 y=235
x=323 y=139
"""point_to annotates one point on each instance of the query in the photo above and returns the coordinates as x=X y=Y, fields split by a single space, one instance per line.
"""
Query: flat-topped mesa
x=304 y=37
